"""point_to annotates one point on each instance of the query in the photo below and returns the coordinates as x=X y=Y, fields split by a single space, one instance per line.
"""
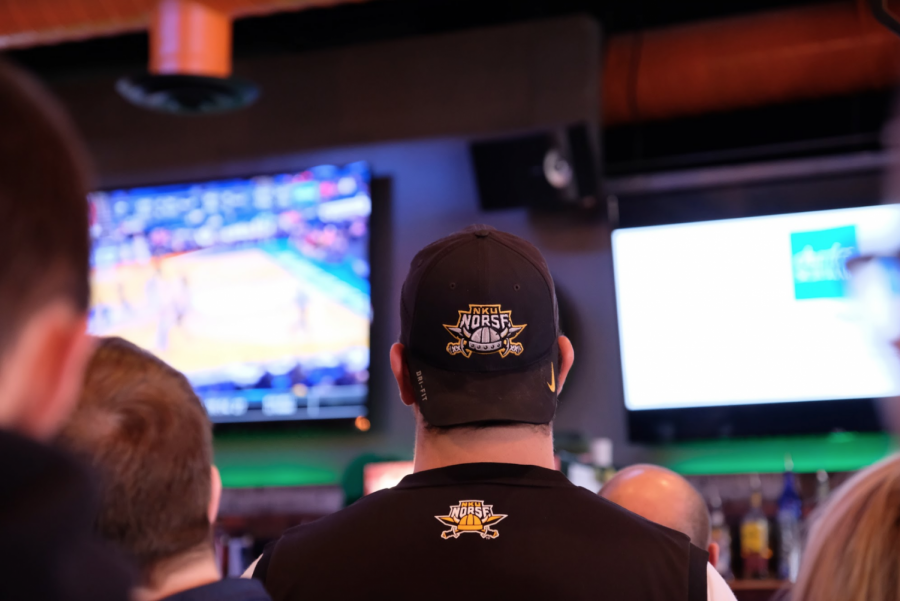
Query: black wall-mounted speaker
x=549 y=171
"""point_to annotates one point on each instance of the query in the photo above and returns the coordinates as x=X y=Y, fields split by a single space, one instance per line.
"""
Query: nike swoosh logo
x=552 y=384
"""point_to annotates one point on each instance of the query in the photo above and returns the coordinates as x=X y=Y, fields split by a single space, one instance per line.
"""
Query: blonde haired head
x=853 y=551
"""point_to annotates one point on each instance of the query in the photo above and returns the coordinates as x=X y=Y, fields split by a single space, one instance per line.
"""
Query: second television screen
x=757 y=310
x=256 y=288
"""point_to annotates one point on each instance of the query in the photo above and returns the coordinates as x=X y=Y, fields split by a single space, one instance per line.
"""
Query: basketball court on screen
x=202 y=310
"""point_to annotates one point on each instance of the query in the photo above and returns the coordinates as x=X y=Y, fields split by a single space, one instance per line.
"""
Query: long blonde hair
x=853 y=551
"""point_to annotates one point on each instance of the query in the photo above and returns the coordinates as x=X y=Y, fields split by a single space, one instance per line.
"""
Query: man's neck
x=523 y=445
x=193 y=570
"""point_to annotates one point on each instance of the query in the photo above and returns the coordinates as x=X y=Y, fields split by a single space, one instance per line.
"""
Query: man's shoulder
x=616 y=520
x=358 y=513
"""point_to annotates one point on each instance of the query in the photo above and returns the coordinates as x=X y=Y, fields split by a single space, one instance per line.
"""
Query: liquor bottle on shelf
x=790 y=513
x=755 y=550
x=823 y=487
x=721 y=535
x=602 y=458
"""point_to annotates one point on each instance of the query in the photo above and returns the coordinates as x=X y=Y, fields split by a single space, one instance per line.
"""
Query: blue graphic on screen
x=257 y=288
x=819 y=261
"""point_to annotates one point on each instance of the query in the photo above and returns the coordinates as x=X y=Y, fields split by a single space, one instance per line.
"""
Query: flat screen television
x=751 y=325
x=256 y=288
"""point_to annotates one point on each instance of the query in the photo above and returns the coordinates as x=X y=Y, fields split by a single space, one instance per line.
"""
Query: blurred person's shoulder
x=718 y=590
x=226 y=589
x=46 y=519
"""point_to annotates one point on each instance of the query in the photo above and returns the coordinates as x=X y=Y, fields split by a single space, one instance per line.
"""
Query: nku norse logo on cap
x=485 y=329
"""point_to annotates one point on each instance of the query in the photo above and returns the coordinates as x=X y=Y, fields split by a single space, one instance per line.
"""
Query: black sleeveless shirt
x=484 y=531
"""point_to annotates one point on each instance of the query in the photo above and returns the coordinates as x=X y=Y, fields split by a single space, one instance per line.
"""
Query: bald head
x=661 y=496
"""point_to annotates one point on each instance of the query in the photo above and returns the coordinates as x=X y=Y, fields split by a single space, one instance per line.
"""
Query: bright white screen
x=746 y=311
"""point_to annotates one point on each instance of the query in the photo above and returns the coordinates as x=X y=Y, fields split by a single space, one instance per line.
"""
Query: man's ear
x=566 y=359
x=43 y=371
x=401 y=374
x=713 y=551
x=215 y=493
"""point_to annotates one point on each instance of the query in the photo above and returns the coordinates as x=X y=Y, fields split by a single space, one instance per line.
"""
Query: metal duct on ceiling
x=752 y=60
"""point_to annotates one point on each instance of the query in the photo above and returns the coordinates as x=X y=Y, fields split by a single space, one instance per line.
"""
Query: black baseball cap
x=480 y=324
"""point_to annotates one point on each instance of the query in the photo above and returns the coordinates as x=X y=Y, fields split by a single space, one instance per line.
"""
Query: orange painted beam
x=746 y=61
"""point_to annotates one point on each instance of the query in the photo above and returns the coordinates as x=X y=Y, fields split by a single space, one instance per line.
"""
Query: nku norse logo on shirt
x=470 y=517
x=485 y=329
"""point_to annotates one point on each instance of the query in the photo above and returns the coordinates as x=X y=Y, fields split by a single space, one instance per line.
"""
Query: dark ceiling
x=384 y=19
x=809 y=128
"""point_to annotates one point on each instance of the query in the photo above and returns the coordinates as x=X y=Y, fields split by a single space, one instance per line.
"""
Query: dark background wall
x=488 y=81
x=343 y=100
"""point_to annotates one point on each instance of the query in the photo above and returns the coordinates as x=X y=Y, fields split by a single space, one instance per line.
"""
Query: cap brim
x=452 y=398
